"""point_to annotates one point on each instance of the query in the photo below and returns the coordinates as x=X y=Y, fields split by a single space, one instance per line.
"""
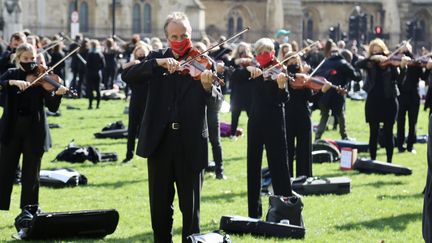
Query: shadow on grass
x=399 y=197
x=108 y=141
x=229 y=197
x=143 y=237
x=239 y=158
x=397 y=223
x=116 y=184
x=379 y=184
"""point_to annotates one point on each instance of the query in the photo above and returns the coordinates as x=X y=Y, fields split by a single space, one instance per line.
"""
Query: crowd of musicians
x=174 y=105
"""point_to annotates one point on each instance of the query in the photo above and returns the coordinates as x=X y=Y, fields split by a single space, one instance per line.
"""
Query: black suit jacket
x=192 y=99
x=427 y=207
x=39 y=98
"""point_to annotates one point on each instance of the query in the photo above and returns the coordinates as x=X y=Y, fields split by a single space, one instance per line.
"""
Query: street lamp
x=113 y=17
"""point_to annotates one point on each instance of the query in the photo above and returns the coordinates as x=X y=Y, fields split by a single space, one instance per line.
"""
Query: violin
x=313 y=83
x=274 y=70
x=49 y=82
x=195 y=63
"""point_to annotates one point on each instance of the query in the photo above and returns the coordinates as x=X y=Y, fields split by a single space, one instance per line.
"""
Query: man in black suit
x=427 y=207
x=173 y=134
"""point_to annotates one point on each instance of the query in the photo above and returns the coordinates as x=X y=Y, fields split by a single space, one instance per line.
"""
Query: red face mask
x=265 y=58
x=181 y=47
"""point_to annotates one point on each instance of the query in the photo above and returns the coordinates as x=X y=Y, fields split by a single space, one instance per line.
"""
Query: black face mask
x=293 y=68
x=408 y=54
x=141 y=58
x=28 y=66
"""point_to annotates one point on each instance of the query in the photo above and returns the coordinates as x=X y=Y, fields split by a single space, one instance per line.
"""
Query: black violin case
x=320 y=185
x=373 y=166
x=245 y=225
x=60 y=225
x=116 y=133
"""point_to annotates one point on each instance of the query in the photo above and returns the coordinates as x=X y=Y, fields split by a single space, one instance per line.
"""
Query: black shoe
x=220 y=176
x=127 y=160
x=401 y=149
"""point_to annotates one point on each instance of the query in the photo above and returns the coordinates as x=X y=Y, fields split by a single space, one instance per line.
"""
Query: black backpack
x=114 y=126
x=76 y=154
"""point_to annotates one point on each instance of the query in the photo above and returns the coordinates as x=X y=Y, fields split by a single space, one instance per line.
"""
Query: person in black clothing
x=56 y=55
x=241 y=88
x=298 y=122
x=110 y=53
x=381 y=103
x=339 y=72
x=75 y=63
x=314 y=57
x=95 y=65
x=16 y=39
x=427 y=203
x=137 y=102
x=409 y=99
x=24 y=128
x=266 y=127
x=82 y=67
x=173 y=134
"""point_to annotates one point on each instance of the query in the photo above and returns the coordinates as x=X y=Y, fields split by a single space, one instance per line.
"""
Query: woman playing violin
x=241 y=94
x=381 y=103
x=266 y=127
x=298 y=122
x=411 y=72
x=24 y=127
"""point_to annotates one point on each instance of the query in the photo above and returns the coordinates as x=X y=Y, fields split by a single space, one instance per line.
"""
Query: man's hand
x=404 y=61
x=22 y=85
x=170 y=64
x=207 y=79
x=429 y=64
x=281 y=80
x=61 y=90
x=255 y=72
x=327 y=85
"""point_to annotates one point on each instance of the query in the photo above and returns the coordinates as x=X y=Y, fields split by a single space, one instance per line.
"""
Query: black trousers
x=271 y=136
x=408 y=103
x=166 y=168
x=235 y=115
x=388 y=139
x=93 y=84
x=21 y=143
x=214 y=137
x=299 y=142
x=109 y=77
x=136 y=113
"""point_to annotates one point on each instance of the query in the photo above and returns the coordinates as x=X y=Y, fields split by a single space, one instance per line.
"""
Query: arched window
x=239 y=24
x=136 y=18
x=83 y=17
x=147 y=18
x=230 y=26
x=309 y=29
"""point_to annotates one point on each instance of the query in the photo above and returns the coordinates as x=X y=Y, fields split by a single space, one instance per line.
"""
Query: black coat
x=427 y=207
x=389 y=79
x=159 y=110
x=339 y=72
x=241 y=89
x=5 y=60
x=37 y=98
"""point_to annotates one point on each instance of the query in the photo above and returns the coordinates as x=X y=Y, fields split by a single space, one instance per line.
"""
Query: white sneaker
x=233 y=138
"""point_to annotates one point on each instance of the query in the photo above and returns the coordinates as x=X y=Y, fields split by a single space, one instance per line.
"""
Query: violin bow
x=216 y=45
x=51 y=45
x=54 y=66
x=317 y=67
x=399 y=48
x=62 y=34
x=291 y=56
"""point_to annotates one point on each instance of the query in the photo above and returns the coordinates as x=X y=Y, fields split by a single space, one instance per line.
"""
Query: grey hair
x=179 y=18
x=263 y=43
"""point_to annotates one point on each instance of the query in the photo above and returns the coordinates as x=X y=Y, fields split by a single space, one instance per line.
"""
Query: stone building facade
x=304 y=18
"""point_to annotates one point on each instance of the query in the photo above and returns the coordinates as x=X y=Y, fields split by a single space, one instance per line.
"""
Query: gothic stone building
x=304 y=18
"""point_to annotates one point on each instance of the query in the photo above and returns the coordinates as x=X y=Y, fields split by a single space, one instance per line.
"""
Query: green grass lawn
x=379 y=207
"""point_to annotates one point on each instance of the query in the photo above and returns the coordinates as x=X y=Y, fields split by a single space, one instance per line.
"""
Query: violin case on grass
x=59 y=178
x=321 y=185
x=321 y=156
x=373 y=166
x=245 y=225
x=361 y=147
x=327 y=146
x=116 y=133
x=33 y=225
